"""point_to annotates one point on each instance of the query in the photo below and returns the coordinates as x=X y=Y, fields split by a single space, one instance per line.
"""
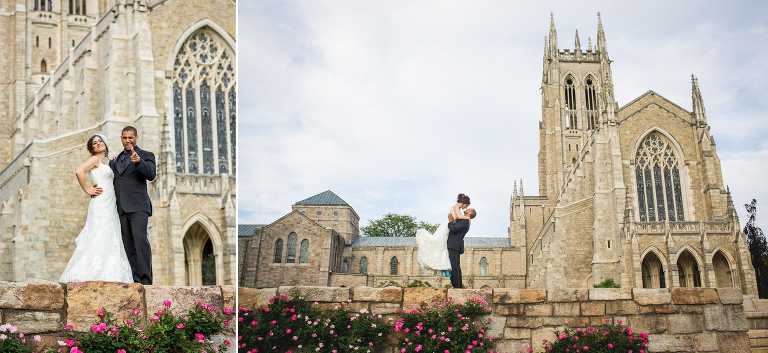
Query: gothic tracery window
x=393 y=265
x=304 y=252
x=590 y=97
x=483 y=266
x=278 y=251
x=657 y=173
x=364 y=265
x=204 y=105
x=570 y=104
x=290 y=253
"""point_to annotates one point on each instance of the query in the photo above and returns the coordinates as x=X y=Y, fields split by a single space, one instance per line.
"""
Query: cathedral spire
x=522 y=193
x=601 y=36
x=589 y=43
x=578 y=42
x=552 y=35
x=699 y=114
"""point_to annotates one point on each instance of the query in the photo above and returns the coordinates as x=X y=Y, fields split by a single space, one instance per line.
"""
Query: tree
x=758 y=248
x=395 y=225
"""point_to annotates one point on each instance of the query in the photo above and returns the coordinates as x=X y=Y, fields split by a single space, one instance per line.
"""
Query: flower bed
x=607 y=338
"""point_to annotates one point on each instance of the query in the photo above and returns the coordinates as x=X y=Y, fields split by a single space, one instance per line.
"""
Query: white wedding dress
x=99 y=253
x=433 y=248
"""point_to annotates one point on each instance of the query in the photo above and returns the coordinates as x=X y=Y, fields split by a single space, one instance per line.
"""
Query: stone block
x=85 y=298
x=463 y=295
x=622 y=307
x=380 y=295
x=385 y=308
x=35 y=295
x=593 y=309
x=517 y=333
x=183 y=298
x=512 y=346
x=670 y=343
x=705 y=342
x=358 y=307
x=561 y=295
x=317 y=293
x=509 y=309
x=518 y=296
x=609 y=294
x=541 y=334
x=651 y=296
x=253 y=298
x=569 y=321
x=414 y=297
x=33 y=322
x=733 y=342
x=228 y=296
x=685 y=323
x=649 y=323
x=538 y=309
x=566 y=309
x=730 y=295
x=496 y=326
x=666 y=309
x=725 y=318
x=525 y=322
x=690 y=296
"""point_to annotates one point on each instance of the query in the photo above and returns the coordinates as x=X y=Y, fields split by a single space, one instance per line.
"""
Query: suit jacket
x=131 y=183
x=456 y=232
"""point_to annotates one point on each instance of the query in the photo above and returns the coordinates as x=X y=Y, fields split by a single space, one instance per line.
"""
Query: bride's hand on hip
x=94 y=191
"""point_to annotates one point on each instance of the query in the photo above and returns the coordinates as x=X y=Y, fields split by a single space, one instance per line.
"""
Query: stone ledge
x=379 y=295
x=36 y=295
x=318 y=294
x=688 y=296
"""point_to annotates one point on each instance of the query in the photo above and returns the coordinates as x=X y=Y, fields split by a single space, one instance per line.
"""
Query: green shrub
x=607 y=338
x=608 y=283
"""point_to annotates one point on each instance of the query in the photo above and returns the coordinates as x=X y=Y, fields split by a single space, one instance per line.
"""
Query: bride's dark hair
x=462 y=199
x=89 y=145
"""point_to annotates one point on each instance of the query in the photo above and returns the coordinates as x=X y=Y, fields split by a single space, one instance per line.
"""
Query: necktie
x=122 y=162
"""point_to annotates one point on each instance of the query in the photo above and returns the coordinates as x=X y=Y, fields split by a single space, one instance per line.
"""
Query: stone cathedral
x=72 y=68
x=630 y=193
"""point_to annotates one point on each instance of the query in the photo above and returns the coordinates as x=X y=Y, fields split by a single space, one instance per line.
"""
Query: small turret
x=601 y=47
x=699 y=114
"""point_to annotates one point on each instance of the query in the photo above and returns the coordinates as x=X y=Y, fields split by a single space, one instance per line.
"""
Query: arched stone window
x=200 y=256
x=290 y=253
x=688 y=270
x=278 y=251
x=653 y=272
x=209 y=264
x=364 y=265
x=393 y=265
x=483 y=266
x=722 y=270
x=43 y=67
x=304 y=252
x=590 y=96
x=204 y=77
x=345 y=265
x=659 y=195
x=571 y=122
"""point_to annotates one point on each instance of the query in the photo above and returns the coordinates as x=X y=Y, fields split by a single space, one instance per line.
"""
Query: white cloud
x=398 y=106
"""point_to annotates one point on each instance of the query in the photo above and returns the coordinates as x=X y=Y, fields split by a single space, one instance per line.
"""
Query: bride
x=99 y=253
x=433 y=248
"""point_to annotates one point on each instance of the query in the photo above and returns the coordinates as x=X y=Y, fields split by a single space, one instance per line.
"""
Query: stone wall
x=678 y=320
x=44 y=307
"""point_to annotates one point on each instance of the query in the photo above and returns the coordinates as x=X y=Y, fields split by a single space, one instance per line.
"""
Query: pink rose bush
x=445 y=326
x=607 y=338
x=166 y=331
x=13 y=341
x=290 y=324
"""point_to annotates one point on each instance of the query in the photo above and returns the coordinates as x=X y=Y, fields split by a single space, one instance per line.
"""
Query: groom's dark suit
x=135 y=208
x=456 y=232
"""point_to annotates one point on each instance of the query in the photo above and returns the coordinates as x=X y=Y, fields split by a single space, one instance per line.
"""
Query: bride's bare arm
x=82 y=176
x=456 y=213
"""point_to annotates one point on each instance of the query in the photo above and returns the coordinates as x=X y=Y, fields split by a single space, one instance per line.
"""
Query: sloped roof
x=325 y=198
x=247 y=230
x=470 y=242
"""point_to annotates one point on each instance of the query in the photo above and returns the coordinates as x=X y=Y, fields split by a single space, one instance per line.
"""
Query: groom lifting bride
x=442 y=249
x=113 y=245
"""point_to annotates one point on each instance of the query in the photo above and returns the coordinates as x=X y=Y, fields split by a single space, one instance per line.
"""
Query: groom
x=133 y=167
x=456 y=232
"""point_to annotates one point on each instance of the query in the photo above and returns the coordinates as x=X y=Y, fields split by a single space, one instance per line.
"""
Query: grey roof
x=470 y=242
x=247 y=230
x=325 y=198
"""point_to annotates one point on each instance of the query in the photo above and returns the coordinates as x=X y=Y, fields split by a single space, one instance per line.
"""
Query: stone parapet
x=678 y=320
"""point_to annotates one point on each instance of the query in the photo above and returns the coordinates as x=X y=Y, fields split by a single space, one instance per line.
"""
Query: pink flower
x=120 y=351
x=69 y=342
x=200 y=337
x=68 y=327
x=227 y=342
x=180 y=326
x=585 y=348
x=99 y=328
x=228 y=310
x=167 y=303
x=610 y=345
x=75 y=350
x=136 y=312
x=101 y=312
x=128 y=322
x=288 y=331
x=154 y=318
x=37 y=338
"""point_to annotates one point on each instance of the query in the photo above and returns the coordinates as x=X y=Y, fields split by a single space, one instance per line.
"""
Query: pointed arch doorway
x=199 y=257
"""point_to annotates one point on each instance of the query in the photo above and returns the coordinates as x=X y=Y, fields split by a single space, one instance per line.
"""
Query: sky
x=397 y=106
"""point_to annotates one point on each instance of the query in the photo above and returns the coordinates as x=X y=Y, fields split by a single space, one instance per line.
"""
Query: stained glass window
x=590 y=97
x=364 y=265
x=483 y=266
x=278 y=251
x=290 y=254
x=205 y=76
x=304 y=252
x=659 y=195
x=570 y=104
x=393 y=265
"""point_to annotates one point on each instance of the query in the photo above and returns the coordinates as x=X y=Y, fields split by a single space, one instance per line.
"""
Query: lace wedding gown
x=99 y=253
x=433 y=248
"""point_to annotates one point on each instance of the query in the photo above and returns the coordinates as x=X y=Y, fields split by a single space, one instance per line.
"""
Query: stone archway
x=200 y=257
x=653 y=272
x=723 y=276
x=688 y=270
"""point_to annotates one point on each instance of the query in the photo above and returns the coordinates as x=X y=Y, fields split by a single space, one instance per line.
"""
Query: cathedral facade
x=72 y=68
x=633 y=194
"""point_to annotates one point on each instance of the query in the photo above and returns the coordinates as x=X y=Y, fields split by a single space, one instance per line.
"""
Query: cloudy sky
x=397 y=106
